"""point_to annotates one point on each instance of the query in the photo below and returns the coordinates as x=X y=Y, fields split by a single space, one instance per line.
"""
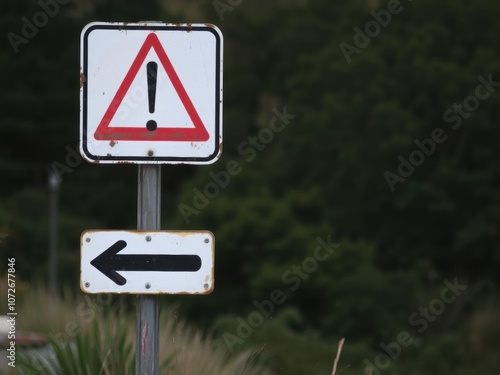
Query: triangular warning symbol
x=182 y=134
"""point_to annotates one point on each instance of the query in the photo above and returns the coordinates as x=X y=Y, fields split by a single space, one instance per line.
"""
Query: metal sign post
x=150 y=94
x=147 y=310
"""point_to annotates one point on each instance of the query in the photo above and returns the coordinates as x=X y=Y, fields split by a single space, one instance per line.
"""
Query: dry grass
x=97 y=327
x=337 y=357
x=188 y=351
x=104 y=339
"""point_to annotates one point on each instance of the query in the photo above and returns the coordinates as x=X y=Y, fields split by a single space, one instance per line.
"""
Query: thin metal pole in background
x=147 y=310
x=53 y=233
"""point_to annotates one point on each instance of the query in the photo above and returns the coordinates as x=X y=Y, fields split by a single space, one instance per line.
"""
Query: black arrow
x=109 y=262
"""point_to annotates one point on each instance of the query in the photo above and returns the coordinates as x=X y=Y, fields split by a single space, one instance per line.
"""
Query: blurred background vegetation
x=323 y=175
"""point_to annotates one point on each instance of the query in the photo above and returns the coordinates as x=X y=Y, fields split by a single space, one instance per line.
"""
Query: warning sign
x=151 y=93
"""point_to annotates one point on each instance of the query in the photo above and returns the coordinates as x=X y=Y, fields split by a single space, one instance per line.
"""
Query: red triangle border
x=119 y=133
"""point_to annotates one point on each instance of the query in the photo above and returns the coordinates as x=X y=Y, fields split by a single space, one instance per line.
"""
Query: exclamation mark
x=152 y=69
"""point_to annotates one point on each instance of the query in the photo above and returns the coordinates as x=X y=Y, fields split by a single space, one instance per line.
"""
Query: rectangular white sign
x=147 y=262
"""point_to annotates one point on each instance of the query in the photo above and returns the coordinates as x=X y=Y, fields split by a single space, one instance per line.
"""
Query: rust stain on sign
x=83 y=79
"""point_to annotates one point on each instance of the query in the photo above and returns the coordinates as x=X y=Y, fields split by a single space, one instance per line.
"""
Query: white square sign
x=151 y=93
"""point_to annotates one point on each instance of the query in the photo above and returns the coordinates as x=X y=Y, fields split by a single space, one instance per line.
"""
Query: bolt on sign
x=151 y=93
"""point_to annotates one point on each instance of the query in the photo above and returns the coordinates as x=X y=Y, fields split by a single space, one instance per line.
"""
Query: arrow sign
x=109 y=262
x=173 y=262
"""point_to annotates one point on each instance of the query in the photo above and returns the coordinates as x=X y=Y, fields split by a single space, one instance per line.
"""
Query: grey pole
x=53 y=233
x=147 y=310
